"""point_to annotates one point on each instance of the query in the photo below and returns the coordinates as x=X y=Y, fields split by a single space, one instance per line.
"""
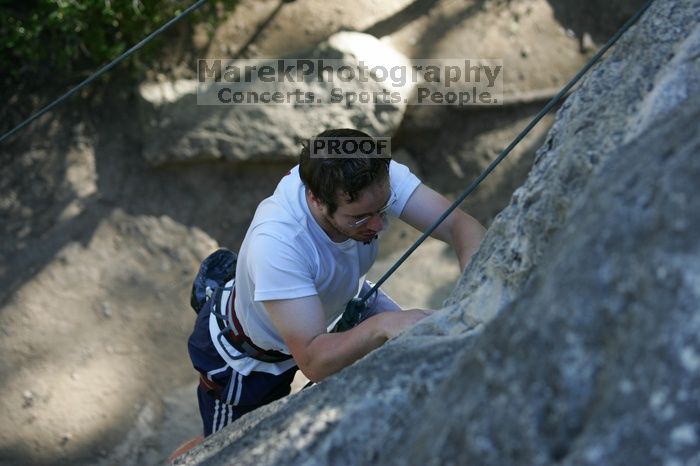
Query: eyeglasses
x=381 y=212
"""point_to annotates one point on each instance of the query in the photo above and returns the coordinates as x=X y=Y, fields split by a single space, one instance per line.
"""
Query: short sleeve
x=403 y=183
x=278 y=270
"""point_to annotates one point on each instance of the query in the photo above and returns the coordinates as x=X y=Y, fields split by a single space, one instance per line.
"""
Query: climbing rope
x=104 y=69
x=359 y=303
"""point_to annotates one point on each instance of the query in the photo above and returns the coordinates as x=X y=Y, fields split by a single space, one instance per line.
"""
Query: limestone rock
x=653 y=60
x=572 y=337
x=596 y=361
x=177 y=129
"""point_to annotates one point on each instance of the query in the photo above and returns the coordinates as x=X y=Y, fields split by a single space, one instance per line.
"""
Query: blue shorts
x=251 y=391
x=240 y=393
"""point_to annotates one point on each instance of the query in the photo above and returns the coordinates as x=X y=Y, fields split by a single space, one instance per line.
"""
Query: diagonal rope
x=630 y=22
x=104 y=69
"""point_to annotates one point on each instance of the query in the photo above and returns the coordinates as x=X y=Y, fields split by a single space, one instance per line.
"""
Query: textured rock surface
x=653 y=61
x=572 y=338
x=180 y=130
x=598 y=360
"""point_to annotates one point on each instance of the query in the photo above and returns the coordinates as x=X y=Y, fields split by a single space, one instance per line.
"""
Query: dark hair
x=326 y=177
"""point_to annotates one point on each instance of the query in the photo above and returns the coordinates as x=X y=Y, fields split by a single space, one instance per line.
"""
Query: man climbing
x=304 y=257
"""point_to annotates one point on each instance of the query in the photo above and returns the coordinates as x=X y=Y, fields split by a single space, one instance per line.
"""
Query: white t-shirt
x=286 y=255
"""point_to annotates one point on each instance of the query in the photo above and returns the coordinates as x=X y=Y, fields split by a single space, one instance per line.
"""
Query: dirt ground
x=98 y=249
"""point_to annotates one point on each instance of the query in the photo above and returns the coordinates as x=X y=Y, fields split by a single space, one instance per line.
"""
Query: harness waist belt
x=238 y=339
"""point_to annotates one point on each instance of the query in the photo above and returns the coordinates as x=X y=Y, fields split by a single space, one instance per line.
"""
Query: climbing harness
x=216 y=275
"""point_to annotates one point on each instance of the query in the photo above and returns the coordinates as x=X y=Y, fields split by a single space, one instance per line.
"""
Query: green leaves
x=70 y=37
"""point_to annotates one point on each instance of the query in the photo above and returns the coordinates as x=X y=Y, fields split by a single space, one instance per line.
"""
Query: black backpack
x=217 y=269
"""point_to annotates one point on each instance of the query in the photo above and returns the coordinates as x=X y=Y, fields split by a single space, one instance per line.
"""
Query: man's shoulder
x=400 y=173
x=284 y=204
x=403 y=183
x=275 y=226
x=280 y=243
x=279 y=226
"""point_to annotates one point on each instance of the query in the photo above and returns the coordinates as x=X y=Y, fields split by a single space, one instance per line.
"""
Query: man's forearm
x=330 y=352
x=465 y=237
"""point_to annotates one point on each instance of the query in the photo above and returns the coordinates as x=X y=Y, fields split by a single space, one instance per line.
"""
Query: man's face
x=366 y=210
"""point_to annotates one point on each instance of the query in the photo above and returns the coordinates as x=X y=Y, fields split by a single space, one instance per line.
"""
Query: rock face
x=177 y=129
x=572 y=337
